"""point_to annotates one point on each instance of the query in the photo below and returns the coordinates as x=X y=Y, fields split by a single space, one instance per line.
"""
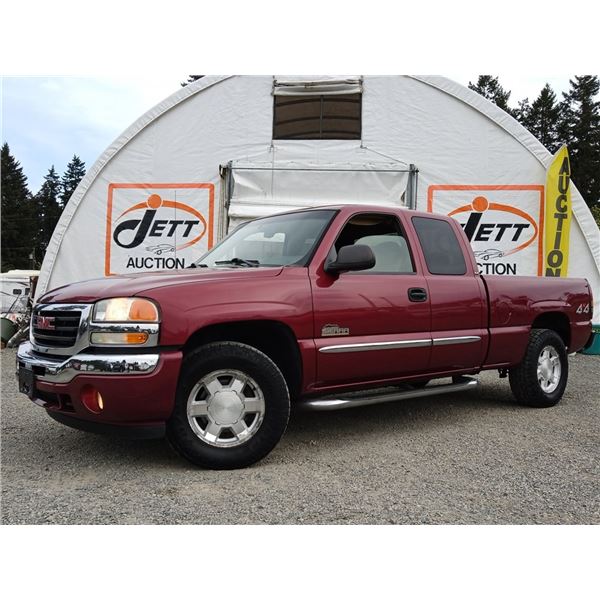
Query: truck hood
x=138 y=283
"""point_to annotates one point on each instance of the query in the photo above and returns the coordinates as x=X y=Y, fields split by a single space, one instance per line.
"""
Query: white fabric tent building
x=226 y=149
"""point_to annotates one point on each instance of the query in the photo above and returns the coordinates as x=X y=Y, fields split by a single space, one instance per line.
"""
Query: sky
x=46 y=120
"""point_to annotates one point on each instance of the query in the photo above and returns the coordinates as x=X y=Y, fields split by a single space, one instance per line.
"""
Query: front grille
x=56 y=328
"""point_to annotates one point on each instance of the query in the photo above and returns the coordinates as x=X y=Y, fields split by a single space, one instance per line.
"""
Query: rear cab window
x=441 y=248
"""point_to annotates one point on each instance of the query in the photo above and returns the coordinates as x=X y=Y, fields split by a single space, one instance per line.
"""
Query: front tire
x=232 y=406
x=541 y=378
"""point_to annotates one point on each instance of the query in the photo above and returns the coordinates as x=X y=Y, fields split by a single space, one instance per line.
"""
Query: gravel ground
x=459 y=458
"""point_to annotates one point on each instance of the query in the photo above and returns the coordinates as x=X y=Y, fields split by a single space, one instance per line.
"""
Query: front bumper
x=137 y=389
x=148 y=431
x=64 y=370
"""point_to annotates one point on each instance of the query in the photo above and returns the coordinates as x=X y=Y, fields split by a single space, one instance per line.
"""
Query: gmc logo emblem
x=45 y=322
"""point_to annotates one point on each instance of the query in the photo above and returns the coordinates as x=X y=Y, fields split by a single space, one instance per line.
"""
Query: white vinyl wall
x=452 y=135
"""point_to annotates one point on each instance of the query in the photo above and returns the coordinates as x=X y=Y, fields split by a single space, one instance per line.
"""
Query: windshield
x=276 y=241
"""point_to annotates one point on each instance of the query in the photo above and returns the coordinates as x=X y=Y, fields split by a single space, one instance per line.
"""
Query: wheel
x=232 y=406
x=541 y=378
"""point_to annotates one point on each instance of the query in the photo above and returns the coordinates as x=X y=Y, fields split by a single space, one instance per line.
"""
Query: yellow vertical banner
x=557 y=215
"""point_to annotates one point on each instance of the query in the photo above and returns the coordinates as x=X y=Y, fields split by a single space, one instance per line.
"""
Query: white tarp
x=464 y=147
x=278 y=182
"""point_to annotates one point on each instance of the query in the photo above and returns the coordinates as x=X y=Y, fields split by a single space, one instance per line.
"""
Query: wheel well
x=556 y=321
x=273 y=338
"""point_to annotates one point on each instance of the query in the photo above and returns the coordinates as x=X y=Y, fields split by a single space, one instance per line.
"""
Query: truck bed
x=516 y=302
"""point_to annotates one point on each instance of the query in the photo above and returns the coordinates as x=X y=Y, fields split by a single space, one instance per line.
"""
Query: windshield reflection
x=277 y=241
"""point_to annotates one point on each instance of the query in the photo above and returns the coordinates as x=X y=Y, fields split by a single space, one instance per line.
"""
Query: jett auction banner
x=558 y=215
x=157 y=226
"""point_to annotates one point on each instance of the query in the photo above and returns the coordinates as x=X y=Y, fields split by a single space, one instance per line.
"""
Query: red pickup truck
x=328 y=308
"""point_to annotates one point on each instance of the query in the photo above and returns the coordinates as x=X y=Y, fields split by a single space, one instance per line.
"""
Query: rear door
x=371 y=325
x=457 y=295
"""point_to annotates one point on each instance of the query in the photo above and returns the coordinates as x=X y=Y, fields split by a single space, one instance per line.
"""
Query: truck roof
x=350 y=208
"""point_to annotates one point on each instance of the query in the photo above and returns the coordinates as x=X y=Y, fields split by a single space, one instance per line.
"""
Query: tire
x=232 y=406
x=541 y=378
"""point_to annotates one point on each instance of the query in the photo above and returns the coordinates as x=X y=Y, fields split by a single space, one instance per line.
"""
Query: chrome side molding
x=463 y=339
x=365 y=347
x=375 y=346
x=463 y=383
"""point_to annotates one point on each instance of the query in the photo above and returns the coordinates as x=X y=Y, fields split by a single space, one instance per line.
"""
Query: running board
x=330 y=403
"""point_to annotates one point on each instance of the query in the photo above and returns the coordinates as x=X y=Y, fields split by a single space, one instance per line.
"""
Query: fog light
x=91 y=399
x=119 y=338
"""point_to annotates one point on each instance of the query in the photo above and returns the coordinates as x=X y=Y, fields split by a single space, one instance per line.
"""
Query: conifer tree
x=18 y=221
x=191 y=79
x=522 y=112
x=48 y=209
x=490 y=88
x=542 y=118
x=70 y=180
x=579 y=128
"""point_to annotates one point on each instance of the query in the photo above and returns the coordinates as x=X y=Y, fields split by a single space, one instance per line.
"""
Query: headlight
x=126 y=310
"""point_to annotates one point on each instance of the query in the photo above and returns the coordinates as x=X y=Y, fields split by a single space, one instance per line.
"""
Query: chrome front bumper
x=63 y=370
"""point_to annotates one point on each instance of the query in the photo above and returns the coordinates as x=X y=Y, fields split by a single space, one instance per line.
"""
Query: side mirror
x=352 y=258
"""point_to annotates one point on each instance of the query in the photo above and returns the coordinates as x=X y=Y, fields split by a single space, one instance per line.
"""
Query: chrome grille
x=55 y=328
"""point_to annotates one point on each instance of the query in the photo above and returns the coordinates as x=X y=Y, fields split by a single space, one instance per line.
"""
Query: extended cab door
x=457 y=294
x=375 y=324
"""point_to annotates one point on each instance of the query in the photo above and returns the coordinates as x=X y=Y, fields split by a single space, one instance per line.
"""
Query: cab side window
x=442 y=251
x=383 y=234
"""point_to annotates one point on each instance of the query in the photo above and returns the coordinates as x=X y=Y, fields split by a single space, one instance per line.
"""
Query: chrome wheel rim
x=225 y=408
x=549 y=369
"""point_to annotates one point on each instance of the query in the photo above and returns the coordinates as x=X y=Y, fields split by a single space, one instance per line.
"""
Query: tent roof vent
x=317 y=87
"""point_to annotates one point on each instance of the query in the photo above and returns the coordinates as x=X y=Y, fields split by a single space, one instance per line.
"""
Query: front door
x=372 y=325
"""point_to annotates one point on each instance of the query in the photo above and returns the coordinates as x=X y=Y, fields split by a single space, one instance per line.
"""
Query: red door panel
x=367 y=329
x=458 y=322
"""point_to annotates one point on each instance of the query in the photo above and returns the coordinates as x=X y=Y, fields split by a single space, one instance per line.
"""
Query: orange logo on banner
x=155 y=202
x=481 y=204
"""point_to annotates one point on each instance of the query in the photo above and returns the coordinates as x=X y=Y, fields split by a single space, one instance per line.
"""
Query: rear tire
x=541 y=378
x=232 y=406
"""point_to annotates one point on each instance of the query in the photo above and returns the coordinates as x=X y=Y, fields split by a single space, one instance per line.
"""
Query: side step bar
x=460 y=384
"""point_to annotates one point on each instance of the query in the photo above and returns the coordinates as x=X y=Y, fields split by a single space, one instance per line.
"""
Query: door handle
x=417 y=294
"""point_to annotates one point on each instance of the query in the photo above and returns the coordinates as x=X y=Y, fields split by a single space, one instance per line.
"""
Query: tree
x=522 y=112
x=191 y=79
x=489 y=87
x=48 y=209
x=579 y=128
x=18 y=219
x=542 y=117
x=70 y=180
x=596 y=213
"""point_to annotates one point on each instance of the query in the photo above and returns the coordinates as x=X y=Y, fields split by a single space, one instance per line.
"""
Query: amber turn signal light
x=100 y=337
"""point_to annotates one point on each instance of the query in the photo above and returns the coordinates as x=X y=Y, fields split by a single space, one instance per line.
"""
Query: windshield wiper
x=241 y=262
x=197 y=265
